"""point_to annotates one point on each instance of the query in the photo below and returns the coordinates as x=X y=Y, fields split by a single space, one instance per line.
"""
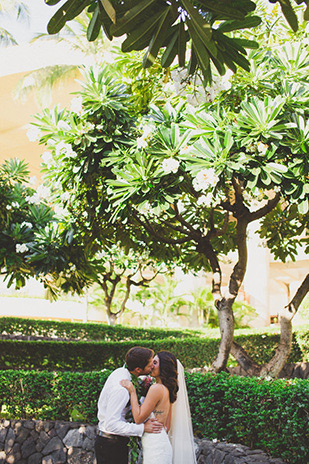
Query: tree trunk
x=111 y=318
x=226 y=324
x=276 y=364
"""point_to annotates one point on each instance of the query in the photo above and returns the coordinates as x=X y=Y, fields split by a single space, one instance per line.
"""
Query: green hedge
x=269 y=415
x=88 y=356
x=87 y=331
x=260 y=345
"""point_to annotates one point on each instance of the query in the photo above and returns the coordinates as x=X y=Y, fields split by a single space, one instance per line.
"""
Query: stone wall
x=55 y=442
x=211 y=452
x=46 y=442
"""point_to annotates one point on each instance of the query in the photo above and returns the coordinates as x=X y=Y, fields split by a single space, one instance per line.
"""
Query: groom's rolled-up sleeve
x=115 y=422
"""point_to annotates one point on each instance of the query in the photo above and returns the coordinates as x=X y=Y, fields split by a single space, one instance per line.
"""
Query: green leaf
x=94 y=26
x=131 y=19
x=303 y=207
x=289 y=14
x=182 y=43
x=108 y=7
x=250 y=21
x=192 y=63
x=202 y=27
x=170 y=51
x=201 y=53
x=158 y=38
x=136 y=40
x=68 y=11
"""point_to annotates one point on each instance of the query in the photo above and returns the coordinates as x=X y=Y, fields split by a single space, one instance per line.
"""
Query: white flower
x=76 y=169
x=170 y=165
x=205 y=200
x=77 y=105
x=215 y=440
x=43 y=192
x=8 y=207
x=204 y=179
x=62 y=125
x=262 y=148
x=147 y=130
x=33 y=180
x=141 y=142
x=66 y=149
x=47 y=157
x=33 y=134
x=26 y=224
x=65 y=196
x=15 y=204
x=32 y=199
x=21 y=248
x=90 y=126
x=59 y=211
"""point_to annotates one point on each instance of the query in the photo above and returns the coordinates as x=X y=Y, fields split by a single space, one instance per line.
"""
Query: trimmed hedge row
x=87 y=331
x=260 y=414
x=87 y=356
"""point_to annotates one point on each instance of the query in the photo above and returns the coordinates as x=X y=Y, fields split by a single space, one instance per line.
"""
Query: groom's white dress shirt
x=112 y=406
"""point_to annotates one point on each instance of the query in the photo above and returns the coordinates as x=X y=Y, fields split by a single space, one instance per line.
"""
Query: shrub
x=86 y=331
x=271 y=415
x=260 y=414
x=87 y=356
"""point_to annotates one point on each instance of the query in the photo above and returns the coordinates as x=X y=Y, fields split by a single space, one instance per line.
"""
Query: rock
x=73 y=439
x=88 y=444
x=3 y=432
x=28 y=448
x=48 y=460
x=60 y=456
x=91 y=432
x=53 y=445
x=61 y=429
x=28 y=424
x=22 y=434
x=35 y=458
x=77 y=456
x=9 y=441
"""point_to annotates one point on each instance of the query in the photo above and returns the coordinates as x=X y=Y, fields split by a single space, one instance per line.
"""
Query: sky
x=40 y=13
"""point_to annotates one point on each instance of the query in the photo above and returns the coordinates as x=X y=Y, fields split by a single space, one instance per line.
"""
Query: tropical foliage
x=185 y=183
x=174 y=25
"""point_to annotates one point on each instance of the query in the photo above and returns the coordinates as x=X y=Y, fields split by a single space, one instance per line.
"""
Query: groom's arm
x=114 y=422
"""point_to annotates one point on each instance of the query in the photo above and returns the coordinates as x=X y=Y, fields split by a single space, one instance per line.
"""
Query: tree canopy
x=204 y=28
x=185 y=183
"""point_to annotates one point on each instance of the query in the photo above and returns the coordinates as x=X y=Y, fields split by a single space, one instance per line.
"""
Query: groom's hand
x=153 y=426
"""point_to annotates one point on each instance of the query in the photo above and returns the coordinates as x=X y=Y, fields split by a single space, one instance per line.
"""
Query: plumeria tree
x=185 y=183
x=25 y=217
x=204 y=27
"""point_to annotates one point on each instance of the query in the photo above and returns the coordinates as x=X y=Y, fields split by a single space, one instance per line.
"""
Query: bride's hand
x=128 y=385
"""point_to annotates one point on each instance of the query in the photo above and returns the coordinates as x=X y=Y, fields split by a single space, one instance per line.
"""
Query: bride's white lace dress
x=157 y=448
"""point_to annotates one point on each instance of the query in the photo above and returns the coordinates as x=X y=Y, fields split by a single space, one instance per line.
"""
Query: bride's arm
x=142 y=412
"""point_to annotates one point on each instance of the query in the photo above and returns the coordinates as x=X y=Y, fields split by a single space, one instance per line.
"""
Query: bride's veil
x=181 y=433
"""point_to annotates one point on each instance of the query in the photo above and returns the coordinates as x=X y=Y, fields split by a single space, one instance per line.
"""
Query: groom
x=111 y=445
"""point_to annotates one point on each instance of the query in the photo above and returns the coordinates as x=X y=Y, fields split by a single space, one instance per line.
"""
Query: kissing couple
x=163 y=420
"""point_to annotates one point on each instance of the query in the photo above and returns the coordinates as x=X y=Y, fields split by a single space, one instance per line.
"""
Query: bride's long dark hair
x=168 y=373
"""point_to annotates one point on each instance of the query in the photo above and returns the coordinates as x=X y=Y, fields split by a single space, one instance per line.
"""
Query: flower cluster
x=205 y=179
x=144 y=383
x=170 y=165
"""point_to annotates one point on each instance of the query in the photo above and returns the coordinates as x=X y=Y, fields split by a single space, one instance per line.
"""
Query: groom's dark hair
x=138 y=357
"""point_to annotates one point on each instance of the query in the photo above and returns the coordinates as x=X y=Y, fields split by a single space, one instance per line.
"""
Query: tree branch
x=271 y=204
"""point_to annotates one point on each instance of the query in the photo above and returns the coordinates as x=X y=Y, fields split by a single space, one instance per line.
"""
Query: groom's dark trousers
x=111 y=449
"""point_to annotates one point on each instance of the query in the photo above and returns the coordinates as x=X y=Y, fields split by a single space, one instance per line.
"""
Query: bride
x=167 y=401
